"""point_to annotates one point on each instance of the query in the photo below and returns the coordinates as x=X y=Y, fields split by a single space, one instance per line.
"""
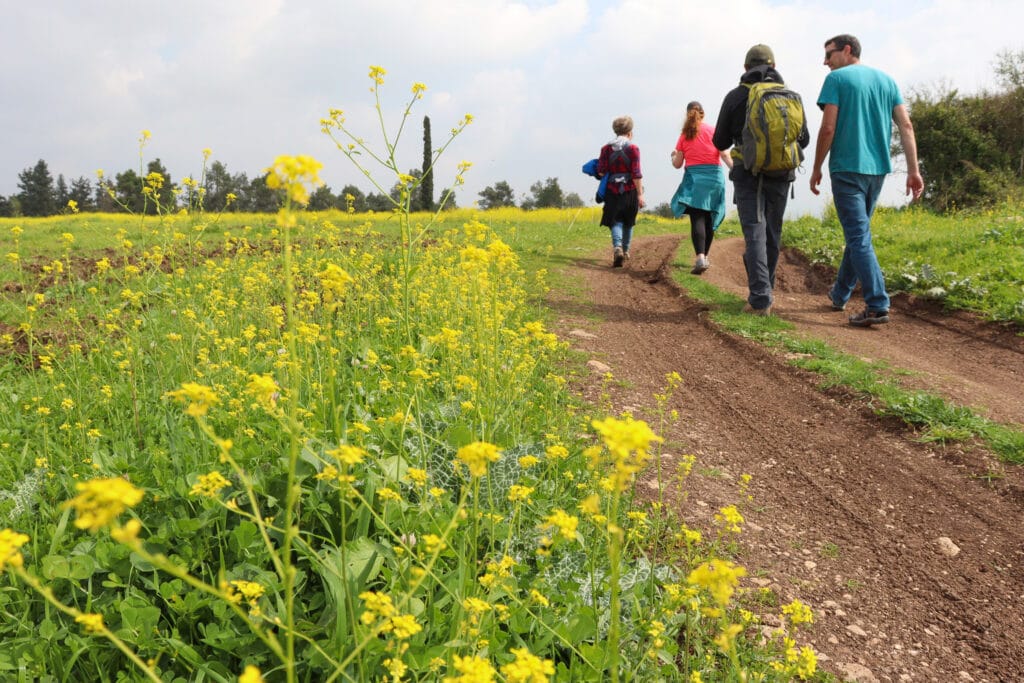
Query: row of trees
x=218 y=190
x=40 y=195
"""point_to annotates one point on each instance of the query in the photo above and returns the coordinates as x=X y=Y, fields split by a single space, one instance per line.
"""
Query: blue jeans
x=855 y=195
x=760 y=203
x=621 y=236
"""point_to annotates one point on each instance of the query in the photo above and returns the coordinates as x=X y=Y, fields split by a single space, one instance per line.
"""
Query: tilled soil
x=848 y=509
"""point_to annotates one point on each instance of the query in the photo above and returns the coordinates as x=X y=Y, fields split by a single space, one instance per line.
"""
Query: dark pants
x=760 y=203
x=701 y=231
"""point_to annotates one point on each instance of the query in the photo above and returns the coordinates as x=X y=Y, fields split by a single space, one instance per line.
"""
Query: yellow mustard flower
x=251 y=674
x=209 y=484
x=472 y=670
x=528 y=668
x=347 y=455
x=719 y=577
x=101 y=500
x=10 y=542
x=476 y=456
x=92 y=623
x=798 y=613
x=199 y=398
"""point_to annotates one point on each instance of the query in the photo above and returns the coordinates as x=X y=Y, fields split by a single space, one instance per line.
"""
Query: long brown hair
x=694 y=115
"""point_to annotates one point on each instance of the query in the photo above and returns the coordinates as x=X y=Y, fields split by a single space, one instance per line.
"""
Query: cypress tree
x=427 y=184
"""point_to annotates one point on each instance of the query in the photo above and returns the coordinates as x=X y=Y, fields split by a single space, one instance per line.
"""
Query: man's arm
x=725 y=127
x=915 y=183
x=826 y=134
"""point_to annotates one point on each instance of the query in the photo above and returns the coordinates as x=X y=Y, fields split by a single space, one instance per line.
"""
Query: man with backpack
x=763 y=122
x=858 y=106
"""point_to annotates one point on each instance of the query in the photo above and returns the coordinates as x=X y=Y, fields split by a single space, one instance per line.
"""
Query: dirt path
x=848 y=510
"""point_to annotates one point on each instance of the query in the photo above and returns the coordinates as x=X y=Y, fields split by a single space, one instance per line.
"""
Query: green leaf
x=56 y=567
x=394 y=468
x=76 y=567
x=459 y=436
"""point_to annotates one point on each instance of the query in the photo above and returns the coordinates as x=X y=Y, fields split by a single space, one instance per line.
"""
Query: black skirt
x=620 y=208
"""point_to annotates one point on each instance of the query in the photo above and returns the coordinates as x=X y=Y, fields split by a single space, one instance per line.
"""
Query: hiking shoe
x=625 y=254
x=617 y=256
x=700 y=265
x=834 y=306
x=757 y=311
x=868 y=318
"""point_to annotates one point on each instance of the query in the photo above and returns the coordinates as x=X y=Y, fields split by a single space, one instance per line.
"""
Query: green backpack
x=775 y=117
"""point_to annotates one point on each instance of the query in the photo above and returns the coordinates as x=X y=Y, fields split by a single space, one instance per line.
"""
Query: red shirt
x=700 y=150
x=618 y=166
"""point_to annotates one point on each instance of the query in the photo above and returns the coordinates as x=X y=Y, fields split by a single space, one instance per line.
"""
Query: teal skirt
x=702 y=187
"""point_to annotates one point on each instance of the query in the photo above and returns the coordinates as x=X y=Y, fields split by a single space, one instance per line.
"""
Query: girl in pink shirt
x=701 y=194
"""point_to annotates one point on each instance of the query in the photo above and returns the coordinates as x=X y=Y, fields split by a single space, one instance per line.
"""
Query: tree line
x=39 y=194
x=154 y=191
x=971 y=147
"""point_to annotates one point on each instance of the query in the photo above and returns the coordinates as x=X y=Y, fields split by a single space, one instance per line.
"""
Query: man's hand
x=816 y=180
x=915 y=185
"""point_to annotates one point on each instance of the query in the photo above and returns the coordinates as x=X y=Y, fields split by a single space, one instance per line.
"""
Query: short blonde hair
x=622 y=125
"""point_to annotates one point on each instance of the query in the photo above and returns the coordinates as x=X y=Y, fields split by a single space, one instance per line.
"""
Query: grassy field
x=292 y=443
x=335 y=447
x=969 y=261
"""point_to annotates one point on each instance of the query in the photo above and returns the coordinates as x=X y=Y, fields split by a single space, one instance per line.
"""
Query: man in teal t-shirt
x=859 y=104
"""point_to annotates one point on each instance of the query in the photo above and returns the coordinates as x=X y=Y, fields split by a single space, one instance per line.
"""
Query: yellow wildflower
x=539 y=598
x=198 y=397
x=292 y=174
x=528 y=461
x=92 y=623
x=719 y=577
x=377 y=74
x=251 y=674
x=730 y=518
x=209 y=484
x=528 y=668
x=472 y=670
x=476 y=455
x=518 y=492
x=10 y=541
x=347 y=455
x=726 y=640
x=564 y=523
x=264 y=389
x=557 y=452
x=798 y=613
x=128 y=533
x=433 y=543
x=404 y=626
x=101 y=500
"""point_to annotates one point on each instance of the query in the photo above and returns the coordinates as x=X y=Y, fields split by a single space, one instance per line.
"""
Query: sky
x=543 y=79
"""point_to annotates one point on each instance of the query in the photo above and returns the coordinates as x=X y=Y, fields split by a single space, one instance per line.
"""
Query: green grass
x=97 y=362
x=970 y=261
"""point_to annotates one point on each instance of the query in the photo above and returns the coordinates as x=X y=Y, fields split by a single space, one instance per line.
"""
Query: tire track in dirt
x=847 y=507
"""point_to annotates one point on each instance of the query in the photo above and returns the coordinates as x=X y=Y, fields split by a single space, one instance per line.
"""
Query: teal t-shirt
x=866 y=98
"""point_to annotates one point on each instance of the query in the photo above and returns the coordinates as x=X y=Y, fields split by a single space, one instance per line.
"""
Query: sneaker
x=868 y=318
x=757 y=311
x=835 y=306
x=625 y=254
x=617 y=257
x=700 y=264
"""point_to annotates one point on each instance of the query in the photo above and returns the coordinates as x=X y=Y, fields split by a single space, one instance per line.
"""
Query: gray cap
x=759 y=54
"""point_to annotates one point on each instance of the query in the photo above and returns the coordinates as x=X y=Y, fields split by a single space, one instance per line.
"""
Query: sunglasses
x=828 y=53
